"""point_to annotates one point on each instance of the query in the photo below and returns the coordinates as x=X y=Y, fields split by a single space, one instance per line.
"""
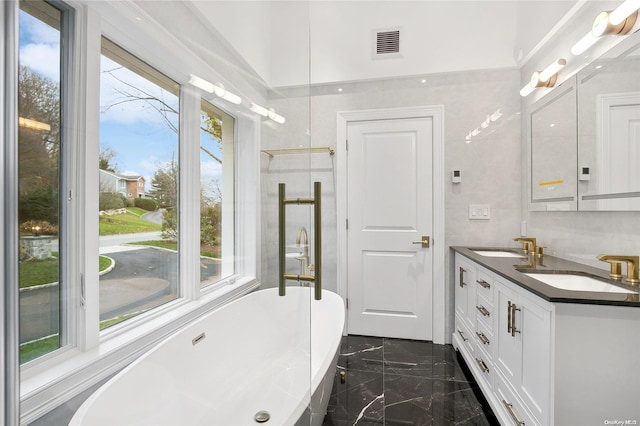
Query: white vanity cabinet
x=541 y=362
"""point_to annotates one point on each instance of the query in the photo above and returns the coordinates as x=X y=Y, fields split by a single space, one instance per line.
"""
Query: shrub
x=169 y=224
x=111 y=201
x=210 y=218
x=46 y=228
x=39 y=203
x=146 y=204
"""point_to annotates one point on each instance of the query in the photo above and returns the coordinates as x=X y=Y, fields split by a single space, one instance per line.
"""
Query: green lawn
x=112 y=321
x=171 y=245
x=136 y=211
x=39 y=272
x=32 y=350
x=127 y=223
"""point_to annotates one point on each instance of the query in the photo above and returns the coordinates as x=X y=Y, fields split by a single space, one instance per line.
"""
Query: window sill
x=50 y=383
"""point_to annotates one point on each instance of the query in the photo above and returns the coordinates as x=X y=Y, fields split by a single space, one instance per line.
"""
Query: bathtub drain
x=262 y=416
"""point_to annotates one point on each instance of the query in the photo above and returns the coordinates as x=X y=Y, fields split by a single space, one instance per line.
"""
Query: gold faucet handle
x=528 y=244
x=616 y=270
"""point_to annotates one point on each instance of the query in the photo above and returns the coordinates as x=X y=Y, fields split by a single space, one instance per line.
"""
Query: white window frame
x=93 y=356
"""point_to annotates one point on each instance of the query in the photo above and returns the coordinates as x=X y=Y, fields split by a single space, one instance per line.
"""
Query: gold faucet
x=528 y=244
x=302 y=240
x=616 y=270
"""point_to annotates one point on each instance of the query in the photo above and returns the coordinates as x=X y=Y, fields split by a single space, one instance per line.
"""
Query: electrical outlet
x=479 y=211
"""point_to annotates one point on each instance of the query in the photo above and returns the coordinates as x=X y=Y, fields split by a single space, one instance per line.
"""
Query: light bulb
x=552 y=69
x=583 y=44
x=201 y=83
x=623 y=11
x=259 y=110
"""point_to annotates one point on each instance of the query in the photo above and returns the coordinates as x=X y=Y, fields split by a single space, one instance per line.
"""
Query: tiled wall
x=490 y=164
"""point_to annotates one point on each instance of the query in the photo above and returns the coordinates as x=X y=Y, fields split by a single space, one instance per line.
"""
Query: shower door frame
x=436 y=113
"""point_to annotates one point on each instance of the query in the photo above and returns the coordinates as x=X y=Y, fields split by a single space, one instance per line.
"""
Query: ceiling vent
x=387 y=43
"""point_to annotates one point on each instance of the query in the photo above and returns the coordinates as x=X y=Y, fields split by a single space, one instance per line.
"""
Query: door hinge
x=346 y=304
x=346 y=223
x=347 y=144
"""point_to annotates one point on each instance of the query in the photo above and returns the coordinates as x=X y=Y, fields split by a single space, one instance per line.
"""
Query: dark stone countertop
x=514 y=269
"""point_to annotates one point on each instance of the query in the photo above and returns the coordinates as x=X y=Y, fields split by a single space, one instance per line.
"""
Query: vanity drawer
x=465 y=336
x=484 y=338
x=484 y=364
x=484 y=312
x=484 y=285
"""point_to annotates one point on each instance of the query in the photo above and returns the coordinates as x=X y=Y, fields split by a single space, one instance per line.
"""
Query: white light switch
x=479 y=211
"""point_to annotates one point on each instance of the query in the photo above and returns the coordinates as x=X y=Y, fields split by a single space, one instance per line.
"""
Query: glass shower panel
x=286 y=176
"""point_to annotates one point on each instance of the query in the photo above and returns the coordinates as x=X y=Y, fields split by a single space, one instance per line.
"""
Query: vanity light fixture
x=545 y=78
x=624 y=11
x=617 y=22
x=217 y=88
x=259 y=110
x=220 y=91
x=270 y=113
x=276 y=117
x=200 y=83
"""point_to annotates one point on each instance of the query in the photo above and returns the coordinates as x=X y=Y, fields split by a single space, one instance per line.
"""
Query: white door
x=389 y=211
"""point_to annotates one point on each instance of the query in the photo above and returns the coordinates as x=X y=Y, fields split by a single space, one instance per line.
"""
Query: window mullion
x=87 y=102
x=189 y=194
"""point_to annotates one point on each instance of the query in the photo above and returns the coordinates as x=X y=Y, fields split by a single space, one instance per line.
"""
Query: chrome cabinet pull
x=482 y=365
x=482 y=338
x=483 y=311
x=514 y=330
x=509 y=408
x=464 y=339
x=509 y=317
x=462 y=271
x=483 y=283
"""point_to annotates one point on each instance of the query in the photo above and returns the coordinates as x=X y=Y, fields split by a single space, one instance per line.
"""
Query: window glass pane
x=39 y=148
x=216 y=195
x=138 y=171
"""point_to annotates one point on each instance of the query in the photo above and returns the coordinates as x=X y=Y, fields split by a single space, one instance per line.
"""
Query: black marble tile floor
x=394 y=382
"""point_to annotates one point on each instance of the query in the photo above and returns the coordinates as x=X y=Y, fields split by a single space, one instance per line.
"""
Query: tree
x=164 y=185
x=209 y=123
x=106 y=160
x=38 y=146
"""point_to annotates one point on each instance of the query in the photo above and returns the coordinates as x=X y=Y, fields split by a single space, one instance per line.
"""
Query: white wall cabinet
x=544 y=363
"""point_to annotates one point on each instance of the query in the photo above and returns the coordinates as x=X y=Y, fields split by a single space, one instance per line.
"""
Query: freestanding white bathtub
x=261 y=352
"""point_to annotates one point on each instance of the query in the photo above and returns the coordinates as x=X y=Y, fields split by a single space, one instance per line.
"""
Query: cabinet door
x=524 y=348
x=534 y=320
x=509 y=341
x=465 y=292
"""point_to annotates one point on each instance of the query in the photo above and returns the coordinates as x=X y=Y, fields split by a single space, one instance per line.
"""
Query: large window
x=105 y=184
x=138 y=186
x=217 y=196
x=40 y=147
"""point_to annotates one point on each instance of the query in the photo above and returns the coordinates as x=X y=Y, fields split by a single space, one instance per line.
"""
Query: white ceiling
x=290 y=43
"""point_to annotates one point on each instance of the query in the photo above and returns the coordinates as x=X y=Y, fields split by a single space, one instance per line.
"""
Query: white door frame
x=436 y=113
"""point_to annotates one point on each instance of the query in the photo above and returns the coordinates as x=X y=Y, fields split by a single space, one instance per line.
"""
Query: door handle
x=424 y=241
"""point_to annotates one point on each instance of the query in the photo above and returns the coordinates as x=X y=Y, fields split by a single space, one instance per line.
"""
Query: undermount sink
x=497 y=253
x=578 y=283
